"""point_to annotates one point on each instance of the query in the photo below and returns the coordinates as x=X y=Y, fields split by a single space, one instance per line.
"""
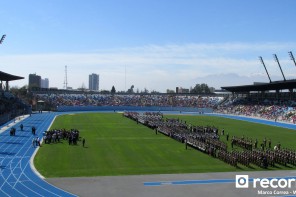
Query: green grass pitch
x=116 y=145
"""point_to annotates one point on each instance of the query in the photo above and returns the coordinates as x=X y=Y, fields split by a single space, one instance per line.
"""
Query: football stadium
x=71 y=143
x=147 y=98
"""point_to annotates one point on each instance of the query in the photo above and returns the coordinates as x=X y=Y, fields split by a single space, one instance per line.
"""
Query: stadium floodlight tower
x=3 y=37
x=261 y=60
x=292 y=57
x=277 y=60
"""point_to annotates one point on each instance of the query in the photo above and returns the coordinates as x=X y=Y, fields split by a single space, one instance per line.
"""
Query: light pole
x=277 y=60
x=2 y=38
x=292 y=57
x=261 y=60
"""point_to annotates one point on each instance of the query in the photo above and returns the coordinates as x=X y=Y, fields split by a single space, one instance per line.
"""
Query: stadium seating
x=11 y=107
x=267 y=109
x=163 y=101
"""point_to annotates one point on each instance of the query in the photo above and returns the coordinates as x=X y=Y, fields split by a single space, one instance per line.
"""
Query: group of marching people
x=207 y=140
x=175 y=128
x=242 y=142
x=260 y=157
x=227 y=157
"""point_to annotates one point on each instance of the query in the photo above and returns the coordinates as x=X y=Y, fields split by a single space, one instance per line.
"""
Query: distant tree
x=196 y=89
x=201 y=89
x=113 y=91
x=155 y=92
x=131 y=90
x=14 y=89
x=170 y=91
x=105 y=91
x=19 y=91
x=145 y=91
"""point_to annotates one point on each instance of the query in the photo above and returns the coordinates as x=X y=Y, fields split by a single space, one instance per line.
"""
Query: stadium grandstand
x=274 y=100
x=10 y=105
x=276 y=105
x=250 y=100
x=76 y=101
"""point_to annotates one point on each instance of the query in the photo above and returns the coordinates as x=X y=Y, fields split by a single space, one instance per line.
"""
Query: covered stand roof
x=276 y=85
x=8 y=77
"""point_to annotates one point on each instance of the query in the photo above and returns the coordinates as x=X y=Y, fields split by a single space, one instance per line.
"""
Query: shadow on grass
x=251 y=167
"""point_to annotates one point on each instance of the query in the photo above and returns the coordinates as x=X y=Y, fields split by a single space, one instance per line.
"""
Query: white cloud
x=155 y=67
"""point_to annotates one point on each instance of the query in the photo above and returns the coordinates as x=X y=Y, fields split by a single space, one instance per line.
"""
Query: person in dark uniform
x=33 y=130
x=83 y=142
x=265 y=163
x=22 y=127
x=232 y=142
x=262 y=146
x=12 y=131
x=269 y=143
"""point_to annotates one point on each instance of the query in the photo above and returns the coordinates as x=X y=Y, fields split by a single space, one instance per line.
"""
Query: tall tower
x=45 y=83
x=66 y=79
x=93 y=82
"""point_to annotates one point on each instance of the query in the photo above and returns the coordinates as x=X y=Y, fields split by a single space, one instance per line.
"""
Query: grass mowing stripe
x=119 y=146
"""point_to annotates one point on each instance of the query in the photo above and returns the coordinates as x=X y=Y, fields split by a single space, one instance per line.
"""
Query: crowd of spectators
x=8 y=103
x=163 y=100
x=10 y=106
x=266 y=109
x=271 y=109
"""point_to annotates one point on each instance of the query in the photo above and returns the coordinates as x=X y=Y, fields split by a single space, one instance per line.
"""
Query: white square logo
x=242 y=181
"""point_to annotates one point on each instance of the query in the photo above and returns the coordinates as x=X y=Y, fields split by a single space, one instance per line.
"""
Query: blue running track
x=257 y=120
x=16 y=175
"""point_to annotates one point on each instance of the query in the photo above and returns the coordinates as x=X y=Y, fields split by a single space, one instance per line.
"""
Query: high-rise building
x=45 y=83
x=34 y=81
x=93 y=82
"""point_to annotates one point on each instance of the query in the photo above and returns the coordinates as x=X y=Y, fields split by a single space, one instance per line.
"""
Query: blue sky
x=161 y=43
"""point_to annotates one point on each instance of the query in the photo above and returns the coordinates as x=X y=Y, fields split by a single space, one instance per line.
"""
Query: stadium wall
x=132 y=108
x=4 y=118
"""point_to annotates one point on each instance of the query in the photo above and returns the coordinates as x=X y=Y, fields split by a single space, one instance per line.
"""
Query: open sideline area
x=167 y=185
